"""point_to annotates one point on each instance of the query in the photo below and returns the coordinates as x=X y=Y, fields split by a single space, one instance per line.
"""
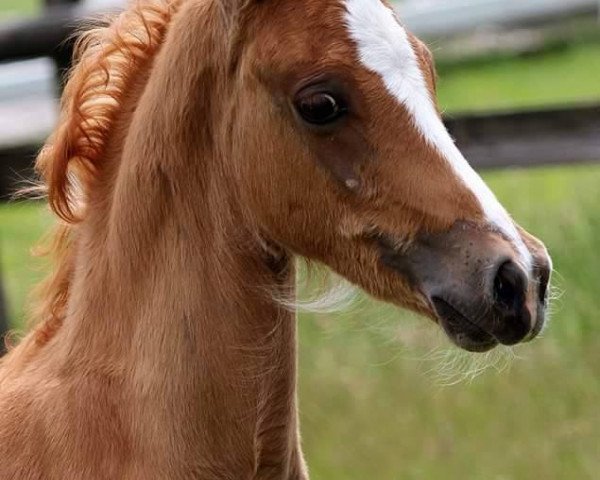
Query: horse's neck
x=206 y=361
x=187 y=326
x=171 y=294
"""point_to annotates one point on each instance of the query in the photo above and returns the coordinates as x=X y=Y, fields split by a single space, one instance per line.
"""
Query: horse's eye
x=320 y=108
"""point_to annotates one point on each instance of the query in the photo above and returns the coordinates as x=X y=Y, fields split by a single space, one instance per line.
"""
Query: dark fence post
x=64 y=52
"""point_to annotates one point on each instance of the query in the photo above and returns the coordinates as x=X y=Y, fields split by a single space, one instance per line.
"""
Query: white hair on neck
x=452 y=365
x=319 y=291
x=414 y=339
x=322 y=291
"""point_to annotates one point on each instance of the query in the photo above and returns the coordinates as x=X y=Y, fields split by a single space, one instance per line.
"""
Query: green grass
x=568 y=75
x=18 y=7
x=22 y=226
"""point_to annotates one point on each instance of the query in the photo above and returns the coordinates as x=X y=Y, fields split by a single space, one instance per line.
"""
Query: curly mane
x=107 y=59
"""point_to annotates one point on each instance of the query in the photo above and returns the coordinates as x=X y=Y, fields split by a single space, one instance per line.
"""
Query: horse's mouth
x=463 y=332
x=472 y=283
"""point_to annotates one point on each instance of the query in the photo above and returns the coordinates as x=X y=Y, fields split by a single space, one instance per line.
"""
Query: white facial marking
x=384 y=48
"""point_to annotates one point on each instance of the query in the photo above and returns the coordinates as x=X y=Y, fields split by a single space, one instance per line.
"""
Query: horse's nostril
x=509 y=287
x=512 y=318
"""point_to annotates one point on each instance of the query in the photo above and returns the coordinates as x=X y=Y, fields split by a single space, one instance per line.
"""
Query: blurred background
x=382 y=394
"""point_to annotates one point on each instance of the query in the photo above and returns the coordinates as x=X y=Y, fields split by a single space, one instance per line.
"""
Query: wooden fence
x=436 y=20
x=530 y=138
x=47 y=36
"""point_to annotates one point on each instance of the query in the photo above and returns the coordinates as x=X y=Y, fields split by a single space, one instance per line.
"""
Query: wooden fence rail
x=548 y=136
x=489 y=140
x=39 y=37
x=49 y=35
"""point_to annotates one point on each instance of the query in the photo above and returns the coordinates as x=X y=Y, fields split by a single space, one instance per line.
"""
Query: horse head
x=343 y=157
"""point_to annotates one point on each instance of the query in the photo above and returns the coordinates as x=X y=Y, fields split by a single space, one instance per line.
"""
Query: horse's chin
x=461 y=330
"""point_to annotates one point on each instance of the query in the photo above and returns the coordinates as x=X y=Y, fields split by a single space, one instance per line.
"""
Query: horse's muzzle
x=476 y=284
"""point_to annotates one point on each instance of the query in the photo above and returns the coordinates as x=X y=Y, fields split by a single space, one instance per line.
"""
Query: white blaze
x=384 y=48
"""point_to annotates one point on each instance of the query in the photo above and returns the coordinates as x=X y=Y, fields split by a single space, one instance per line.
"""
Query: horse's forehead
x=312 y=27
x=320 y=33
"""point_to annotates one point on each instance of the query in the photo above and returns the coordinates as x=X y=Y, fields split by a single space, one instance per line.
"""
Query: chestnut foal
x=202 y=145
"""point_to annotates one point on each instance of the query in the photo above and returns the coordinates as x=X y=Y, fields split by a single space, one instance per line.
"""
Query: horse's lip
x=464 y=332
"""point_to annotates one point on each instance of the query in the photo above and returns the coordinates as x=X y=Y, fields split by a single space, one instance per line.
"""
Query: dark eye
x=320 y=108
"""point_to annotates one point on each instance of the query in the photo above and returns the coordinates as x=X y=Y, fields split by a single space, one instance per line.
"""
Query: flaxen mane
x=108 y=58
